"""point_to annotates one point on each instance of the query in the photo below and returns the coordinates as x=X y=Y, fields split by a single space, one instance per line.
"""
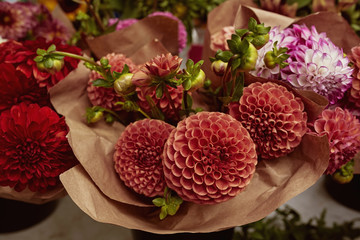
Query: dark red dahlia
x=138 y=156
x=23 y=59
x=34 y=149
x=15 y=87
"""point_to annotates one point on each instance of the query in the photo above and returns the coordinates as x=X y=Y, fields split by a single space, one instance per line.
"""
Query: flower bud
x=97 y=116
x=260 y=40
x=219 y=67
x=58 y=64
x=269 y=60
x=198 y=82
x=124 y=85
x=249 y=62
x=340 y=178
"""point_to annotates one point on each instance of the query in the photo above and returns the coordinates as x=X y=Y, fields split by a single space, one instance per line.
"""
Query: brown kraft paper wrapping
x=96 y=188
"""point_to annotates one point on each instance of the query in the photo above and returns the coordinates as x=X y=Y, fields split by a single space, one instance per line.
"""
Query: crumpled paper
x=97 y=189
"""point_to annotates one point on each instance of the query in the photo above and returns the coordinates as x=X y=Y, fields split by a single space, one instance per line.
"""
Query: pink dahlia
x=16 y=20
x=160 y=68
x=22 y=56
x=182 y=34
x=343 y=132
x=107 y=97
x=218 y=41
x=316 y=64
x=163 y=103
x=121 y=24
x=138 y=156
x=209 y=158
x=354 y=95
x=274 y=117
x=34 y=149
x=15 y=88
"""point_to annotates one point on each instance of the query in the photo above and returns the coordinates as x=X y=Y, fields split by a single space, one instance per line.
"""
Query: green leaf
x=241 y=32
x=224 y=55
x=102 y=83
x=252 y=24
x=90 y=66
x=244 y=46
x=125 y=69
x=189 y=64
x=51 y=48
x=38 y=58
x=187 y=84
x=104 y=61
x=159 y=202
x=238 y=90
x=41 y=52
x=236 y=63
x=116 y=75
x=49 y=63
x=109 y=118
x=163 y=212
x=232 y=45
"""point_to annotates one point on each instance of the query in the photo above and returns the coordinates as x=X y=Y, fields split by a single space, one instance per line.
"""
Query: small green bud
x=56 y=66
x=207 y=83
x=198 y=81
x=269 y=60
x=249 y=61
x=124 y=85
x=260 y=40
x=219 y=67
x=97 y=116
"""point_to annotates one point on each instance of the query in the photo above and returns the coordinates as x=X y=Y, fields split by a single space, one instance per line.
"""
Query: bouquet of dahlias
x=34 y=149
x=315 y=63
x=235 y=147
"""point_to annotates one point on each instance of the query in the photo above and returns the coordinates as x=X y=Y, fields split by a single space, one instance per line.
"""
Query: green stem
x=186 y=103
x=96 y=16
x=79 y=57
x=225 y=76
x=112 y=113
x=143 y=113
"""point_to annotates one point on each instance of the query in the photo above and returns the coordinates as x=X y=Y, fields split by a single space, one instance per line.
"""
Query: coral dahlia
x=15 y=87
x=343 y=132
x=107 y=97
x=138 y=156
x=209 y=158
x=218 y=40
x=354 y=95
x=34 y=149
x=274 y=117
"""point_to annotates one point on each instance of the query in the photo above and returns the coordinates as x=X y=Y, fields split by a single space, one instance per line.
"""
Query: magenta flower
x=138 y=156
x=209 y=158
x=122 y=23
x=343 y=132
x=274 y=117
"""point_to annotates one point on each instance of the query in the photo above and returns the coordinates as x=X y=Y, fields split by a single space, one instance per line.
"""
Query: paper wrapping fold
x=96 y=188
x=130 y=39
x=335 y=26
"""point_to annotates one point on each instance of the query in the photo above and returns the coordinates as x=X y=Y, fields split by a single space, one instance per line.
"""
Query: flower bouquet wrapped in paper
x=233 y=147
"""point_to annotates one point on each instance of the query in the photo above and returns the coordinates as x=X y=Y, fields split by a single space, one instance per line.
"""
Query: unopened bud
x=57 y=65
x=97 y=116
x=219 y=67
x=198 y=82
x=260 y=40
x=269 y=60
x=124 y=85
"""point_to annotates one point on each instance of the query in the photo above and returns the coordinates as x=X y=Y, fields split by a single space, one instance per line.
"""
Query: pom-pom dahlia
x=107 y=97
x=218 y=40
x=274 y=117
x=182 y=34
x=15 y=87
x=316 y=64
x=34 y=149
x=354 y=95
x=138 y=156
x=209 y=158
x=343 y=132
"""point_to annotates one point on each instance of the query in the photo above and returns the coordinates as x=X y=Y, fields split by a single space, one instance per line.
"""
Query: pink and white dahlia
x=343 y=131
x=209 y=158
x=274 y=117
x=107 y=97
x=139 y=154
x=316 y=64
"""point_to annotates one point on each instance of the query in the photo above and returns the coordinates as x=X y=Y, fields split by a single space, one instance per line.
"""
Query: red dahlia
x=138 y=156
x=274 y=117
x=23 y=58
x=34 y=149
x=15 y=87
x=209 y=158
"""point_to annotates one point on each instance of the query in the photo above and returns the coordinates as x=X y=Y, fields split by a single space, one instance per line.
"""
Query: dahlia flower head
x=218 y=41
x=139 y=154
x=22 y=54
x=343 y=131
x=121 y=24
x=16 y=20
x=159 y=68
x=34 y=149
x=107 y=97
x=354 y=95
x=273 y=116
x=209 y=158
